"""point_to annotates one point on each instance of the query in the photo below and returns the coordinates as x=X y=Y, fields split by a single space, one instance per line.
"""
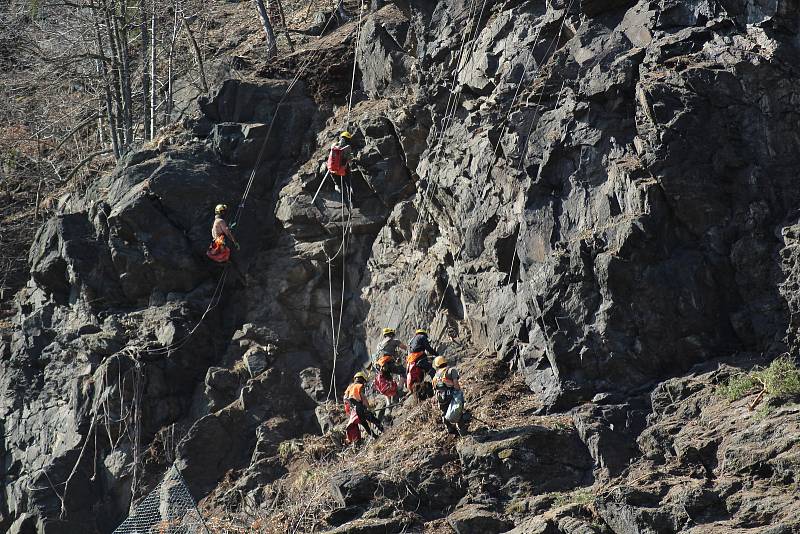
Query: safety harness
x=441 y=381
x=218 y=251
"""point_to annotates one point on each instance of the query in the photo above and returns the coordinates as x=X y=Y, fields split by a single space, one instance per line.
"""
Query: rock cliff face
x=584 y=199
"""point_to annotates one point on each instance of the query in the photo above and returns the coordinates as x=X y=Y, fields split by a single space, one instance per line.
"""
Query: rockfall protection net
x=168 y=509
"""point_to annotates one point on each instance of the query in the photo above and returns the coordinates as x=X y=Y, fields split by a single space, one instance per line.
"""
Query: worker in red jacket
x=340 y=155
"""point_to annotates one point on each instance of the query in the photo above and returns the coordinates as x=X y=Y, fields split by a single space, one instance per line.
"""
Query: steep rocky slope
x=587 y=201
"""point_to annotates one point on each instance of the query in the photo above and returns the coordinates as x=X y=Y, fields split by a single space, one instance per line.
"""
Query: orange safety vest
x=414 y=357
x=440 y=379
x=353 y=391
x=383 y=360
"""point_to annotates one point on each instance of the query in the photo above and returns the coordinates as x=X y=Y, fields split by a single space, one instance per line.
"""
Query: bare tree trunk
x=153 y=92
x=121 y=30
x=144 y=23
x=285 y=27
x=108 y=84
x=100 y=126
x=176 y=26
x=272 y=46
x=198 y=56
x=115 y=78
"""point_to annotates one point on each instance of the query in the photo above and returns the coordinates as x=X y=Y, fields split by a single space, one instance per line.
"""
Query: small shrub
x=764 y=411
x=582 y=497
x=737 y=386
x=516 y=507
x=781 y=378
x=287 y=449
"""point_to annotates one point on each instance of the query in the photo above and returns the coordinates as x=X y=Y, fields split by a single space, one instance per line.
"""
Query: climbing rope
x=534 y=121
x=450 y=109
x=336 y=332
x=465 y=37
x=355 y=62
x=515 y=254
x=430 y=190
x=526 y=63
x=217 y=294
x=453 y=102
x=515 y=251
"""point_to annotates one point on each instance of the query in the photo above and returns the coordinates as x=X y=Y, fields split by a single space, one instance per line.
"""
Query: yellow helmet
x=360 y=375
x=421 y=331
x=439 y=362
x=346 y=135
x=221 y=208
x=388 y=331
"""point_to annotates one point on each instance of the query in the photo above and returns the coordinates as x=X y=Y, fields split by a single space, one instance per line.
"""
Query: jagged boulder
x=257 y=360
x=538 y=459
x=384 y=61
x=221 y=387
x=474 y=519
x=353 y=488
x=609 y=433
x=391 y=525
x=704 y=448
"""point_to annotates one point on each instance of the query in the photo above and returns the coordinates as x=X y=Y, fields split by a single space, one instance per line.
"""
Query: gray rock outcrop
x=597 y=196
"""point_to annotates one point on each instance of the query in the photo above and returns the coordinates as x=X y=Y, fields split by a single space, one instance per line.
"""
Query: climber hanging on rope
x=357 y=408
x=341 y=154
x=418 y=364
x=449 y=395
x=339 y=159
x=218 y=251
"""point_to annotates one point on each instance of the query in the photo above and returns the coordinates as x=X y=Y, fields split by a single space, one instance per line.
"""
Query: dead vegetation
x=302 y=500
x=65 y=120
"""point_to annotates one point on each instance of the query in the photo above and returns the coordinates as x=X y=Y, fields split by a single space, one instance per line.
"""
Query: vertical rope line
x=336 y=332
x=452 y=105
x=333 y=325
x=355 y=62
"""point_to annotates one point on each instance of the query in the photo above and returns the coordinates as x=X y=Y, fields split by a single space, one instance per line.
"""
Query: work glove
x=238 y=246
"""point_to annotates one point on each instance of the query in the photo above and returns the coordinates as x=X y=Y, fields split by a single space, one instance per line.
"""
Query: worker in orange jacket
x=355 y=401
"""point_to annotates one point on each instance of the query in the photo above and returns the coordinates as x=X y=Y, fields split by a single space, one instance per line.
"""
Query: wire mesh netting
x=168 y=509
